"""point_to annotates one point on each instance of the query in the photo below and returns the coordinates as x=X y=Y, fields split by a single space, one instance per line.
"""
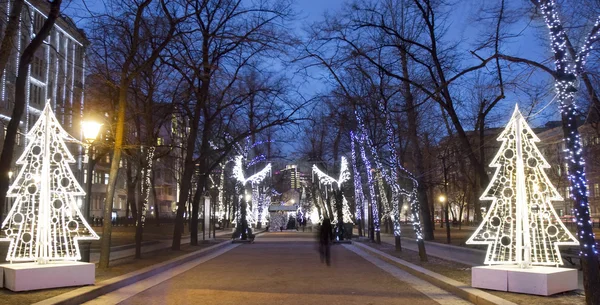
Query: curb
x=127 y=247
x=87 y=293
x=473 y=295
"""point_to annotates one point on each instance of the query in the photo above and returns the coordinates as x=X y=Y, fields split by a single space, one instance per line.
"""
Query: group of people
x=99 y=221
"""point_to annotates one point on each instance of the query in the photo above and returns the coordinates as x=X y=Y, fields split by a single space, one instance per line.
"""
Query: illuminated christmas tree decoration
x=44 y=223
x=521 y=226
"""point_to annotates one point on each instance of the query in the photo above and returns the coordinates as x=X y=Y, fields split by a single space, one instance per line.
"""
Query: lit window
x=105 y=178
x=159 y=141
x=596 y=190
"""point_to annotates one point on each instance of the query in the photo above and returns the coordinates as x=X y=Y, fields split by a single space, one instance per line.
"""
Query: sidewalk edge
x=88 y=293
x=473 y=295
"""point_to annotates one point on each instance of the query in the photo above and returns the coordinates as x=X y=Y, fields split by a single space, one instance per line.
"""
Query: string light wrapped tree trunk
x=568 y=67
x=359 y=196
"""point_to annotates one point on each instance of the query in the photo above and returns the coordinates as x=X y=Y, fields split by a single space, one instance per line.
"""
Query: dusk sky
x=460 y=29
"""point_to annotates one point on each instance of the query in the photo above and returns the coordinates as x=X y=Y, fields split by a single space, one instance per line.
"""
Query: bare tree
x=228 y=36
x=127 y=40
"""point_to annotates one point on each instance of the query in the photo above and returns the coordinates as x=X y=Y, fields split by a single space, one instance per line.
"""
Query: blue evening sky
x=461 y=21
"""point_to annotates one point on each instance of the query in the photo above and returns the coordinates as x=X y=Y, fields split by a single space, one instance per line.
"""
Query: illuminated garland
x=359 y=196
x=221 y=210
x=382 y=194
x=44 y=223
x=147 y=183
x=393 y=179
x=370 y=182
x=565 y=86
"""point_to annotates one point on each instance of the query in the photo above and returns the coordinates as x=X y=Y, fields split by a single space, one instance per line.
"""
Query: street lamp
x=90 y=131
x=443 y=200
x=90 y=134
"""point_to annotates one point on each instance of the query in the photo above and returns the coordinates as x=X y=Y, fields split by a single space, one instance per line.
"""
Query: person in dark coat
x=325 y=238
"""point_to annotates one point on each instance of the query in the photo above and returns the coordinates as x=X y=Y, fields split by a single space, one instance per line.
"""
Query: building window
x=596 y=190
x=37 y=68
x=567 y=192
x=105 y=178
x=159 y=141
x=36 y=95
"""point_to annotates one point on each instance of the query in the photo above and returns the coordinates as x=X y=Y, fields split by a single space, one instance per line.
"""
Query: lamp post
x=90 y=134
x=444 y=202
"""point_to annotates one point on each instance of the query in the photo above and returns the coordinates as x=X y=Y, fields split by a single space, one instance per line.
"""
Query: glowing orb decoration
x=44 y=223
x=521 y=226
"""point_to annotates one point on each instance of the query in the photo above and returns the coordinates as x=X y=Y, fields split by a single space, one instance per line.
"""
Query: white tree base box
x=33 y=276
x=537 y=280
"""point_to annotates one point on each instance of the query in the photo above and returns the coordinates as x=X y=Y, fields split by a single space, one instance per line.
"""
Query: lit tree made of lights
x=255 y=180
x=329 y=181
x=44 y=223
x=521 y=226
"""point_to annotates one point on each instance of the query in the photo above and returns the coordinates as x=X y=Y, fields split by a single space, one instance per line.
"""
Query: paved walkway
x=126 y=251
x=282 y=268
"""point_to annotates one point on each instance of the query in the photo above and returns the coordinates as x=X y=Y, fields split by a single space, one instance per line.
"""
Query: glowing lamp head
x=90 y=131
x=442 y=198
x=248 y=197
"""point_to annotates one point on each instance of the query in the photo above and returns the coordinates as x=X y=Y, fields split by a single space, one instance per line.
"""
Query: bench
x=569 y=254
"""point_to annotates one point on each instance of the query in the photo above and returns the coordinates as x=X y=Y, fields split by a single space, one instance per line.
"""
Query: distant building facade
x=56 y=76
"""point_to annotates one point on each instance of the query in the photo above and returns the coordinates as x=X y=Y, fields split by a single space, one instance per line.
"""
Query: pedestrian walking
x=325 y=238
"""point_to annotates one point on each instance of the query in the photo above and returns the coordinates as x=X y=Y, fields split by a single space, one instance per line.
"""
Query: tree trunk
x=10 y=137
x=113 y=175
x=417 y=154
x=131 y=183
x=195 y=210
x=139 y=222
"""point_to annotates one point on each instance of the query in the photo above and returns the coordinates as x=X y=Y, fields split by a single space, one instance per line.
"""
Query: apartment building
x=56 y=76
